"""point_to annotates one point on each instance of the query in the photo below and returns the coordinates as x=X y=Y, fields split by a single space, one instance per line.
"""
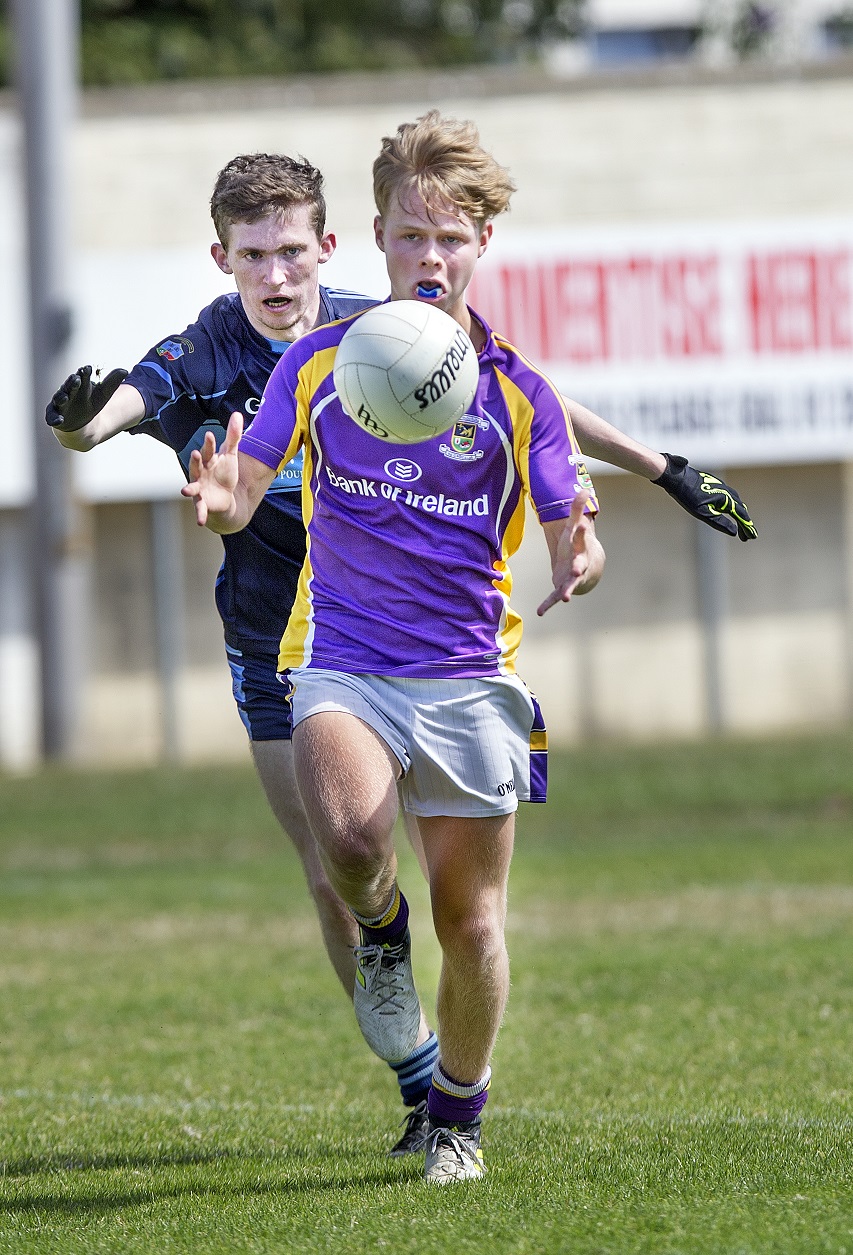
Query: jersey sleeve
x=281 y=422
x=181 y=365
x=556 y=471
x=150 y=427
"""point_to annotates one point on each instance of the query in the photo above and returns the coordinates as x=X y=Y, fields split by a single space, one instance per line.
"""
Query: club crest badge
x=463 y=437
x=462 y=440
x=173 y=349
x=584 y=477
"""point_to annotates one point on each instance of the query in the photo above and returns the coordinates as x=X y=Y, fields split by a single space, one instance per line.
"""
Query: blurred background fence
x=679 y=256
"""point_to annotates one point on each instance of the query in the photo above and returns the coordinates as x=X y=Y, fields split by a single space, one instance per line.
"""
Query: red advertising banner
x=735 y=341
x=646 y=308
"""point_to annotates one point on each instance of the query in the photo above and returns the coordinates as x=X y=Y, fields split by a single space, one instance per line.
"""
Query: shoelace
x=381 y=978
x=413 y=1121
x=455 y=1141
x=416 y=1114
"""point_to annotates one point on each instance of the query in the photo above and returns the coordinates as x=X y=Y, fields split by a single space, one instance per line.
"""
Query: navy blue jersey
x=191 y=384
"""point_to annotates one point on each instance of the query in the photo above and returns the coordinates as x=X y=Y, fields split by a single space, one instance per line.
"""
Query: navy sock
x=415 y=1072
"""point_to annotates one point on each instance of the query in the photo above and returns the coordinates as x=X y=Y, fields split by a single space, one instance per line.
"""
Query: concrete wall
x=660 y=150
x=629 y=661
x=636 y=650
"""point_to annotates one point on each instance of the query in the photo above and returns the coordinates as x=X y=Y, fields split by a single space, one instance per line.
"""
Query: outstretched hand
x=577 y=558
x=78 y=400
x=214 y=474
x=706 y=497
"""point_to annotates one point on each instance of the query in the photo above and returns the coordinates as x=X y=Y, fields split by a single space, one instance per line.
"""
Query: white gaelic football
x=405 y=371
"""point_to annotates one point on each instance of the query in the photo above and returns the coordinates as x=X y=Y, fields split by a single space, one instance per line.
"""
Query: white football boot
x=385 y=1000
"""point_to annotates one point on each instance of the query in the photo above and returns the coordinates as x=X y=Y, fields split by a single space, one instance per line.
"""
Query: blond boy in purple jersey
x=402 y=644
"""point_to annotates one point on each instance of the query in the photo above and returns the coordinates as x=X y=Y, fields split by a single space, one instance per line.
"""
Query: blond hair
x=444 y=161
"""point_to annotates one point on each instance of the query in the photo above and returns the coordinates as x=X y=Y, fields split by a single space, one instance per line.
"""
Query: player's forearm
x=599 y=439
x=577 y=558
x=594 y=570
x=558 y=534
x=124 y=410
x=80 y=441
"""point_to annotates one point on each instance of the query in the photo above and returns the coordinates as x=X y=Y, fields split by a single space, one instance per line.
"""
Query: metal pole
x=713 y=598
x=47 y=40
x=847 y=498
x=168 y=563
x=19 y=723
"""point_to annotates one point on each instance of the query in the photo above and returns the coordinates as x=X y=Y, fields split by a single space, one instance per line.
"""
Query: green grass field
x=180 y=1072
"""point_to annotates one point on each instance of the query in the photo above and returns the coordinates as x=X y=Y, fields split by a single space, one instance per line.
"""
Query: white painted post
x=19 y=669
x=847 y=541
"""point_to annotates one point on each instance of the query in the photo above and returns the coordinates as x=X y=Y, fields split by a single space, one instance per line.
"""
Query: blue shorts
x=262 y=697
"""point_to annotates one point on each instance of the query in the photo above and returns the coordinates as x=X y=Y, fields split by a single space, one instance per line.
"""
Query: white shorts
x=465 y=746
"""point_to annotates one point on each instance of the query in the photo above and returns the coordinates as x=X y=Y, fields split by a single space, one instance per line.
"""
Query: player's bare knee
x=357 y=857
x=470 y=935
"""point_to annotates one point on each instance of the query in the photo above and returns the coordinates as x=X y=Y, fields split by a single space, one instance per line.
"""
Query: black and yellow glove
x=78 y=400
x=706 y=497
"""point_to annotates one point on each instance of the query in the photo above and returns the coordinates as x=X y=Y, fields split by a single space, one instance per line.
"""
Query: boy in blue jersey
x=269 y=217
x=269 y=213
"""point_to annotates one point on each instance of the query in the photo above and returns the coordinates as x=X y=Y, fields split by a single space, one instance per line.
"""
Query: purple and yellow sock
x=451 y=1103
x=415 y=1072
x=387 y=927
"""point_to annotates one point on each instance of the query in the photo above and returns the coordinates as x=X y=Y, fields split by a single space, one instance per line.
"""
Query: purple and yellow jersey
x=408 y=546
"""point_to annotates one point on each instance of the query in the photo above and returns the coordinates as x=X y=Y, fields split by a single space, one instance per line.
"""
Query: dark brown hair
x=256 y=184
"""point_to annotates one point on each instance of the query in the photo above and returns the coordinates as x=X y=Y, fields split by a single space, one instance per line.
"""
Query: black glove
x=78 y=400
x=706 y=498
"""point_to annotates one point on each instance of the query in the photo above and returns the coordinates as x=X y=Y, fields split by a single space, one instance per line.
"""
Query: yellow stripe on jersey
x=308 y=381
x=295 y=645
x=525 y=449
x=520 y=413
x=295 y=642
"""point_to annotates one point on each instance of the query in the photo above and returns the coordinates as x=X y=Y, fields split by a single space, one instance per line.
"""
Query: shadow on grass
x=107 y=1201
x=32 y=1165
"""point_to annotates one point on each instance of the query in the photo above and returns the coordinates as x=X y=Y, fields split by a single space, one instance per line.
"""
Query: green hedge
x=135 y=41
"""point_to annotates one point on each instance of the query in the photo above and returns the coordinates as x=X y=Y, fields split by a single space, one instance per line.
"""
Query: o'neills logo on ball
x=443 y=379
